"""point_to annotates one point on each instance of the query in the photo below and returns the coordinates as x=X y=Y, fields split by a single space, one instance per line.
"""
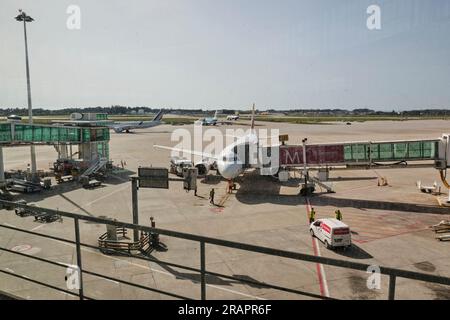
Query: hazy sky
x=228 y=53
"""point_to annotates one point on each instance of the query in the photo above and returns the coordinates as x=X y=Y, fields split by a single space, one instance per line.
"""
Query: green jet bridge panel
x=361 y=153
x=391 y=151
x=18 y=133
x=92 y=141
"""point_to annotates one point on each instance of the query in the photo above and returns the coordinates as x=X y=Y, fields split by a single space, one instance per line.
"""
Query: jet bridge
x=366 y=154
x=92 y=141
x=360 y=153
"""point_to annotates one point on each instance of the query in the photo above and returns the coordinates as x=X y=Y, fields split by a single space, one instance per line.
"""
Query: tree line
x=121 y=110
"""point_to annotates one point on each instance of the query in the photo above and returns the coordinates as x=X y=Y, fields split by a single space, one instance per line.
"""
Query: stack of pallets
x=442 y=230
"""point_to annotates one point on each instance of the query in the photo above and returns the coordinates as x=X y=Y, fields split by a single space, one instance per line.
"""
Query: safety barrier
x=109 y=246
x=203 y=242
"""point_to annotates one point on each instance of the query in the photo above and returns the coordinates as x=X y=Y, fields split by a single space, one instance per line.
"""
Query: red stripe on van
x=326 y=228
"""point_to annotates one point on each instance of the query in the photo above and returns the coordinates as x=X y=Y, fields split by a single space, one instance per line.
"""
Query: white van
x=332 y=232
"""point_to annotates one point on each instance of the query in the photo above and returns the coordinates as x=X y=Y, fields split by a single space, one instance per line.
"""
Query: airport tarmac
x=389 y=224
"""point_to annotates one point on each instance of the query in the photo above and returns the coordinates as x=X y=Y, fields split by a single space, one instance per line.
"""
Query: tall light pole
x=22 y=17
x=305 y=167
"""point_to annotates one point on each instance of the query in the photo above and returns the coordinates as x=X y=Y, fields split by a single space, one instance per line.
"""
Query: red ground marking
x=316 y=253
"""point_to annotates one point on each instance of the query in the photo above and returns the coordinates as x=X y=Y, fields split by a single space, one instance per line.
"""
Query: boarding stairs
x=321 y=184
x=96 y=166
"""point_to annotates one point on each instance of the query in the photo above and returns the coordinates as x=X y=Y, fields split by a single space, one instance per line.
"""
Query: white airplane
x=209 y=121
x=234 y=117
x=229 y=162
x=120 y=127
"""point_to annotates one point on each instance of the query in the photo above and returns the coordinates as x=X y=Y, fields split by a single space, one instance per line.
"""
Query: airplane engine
x=204 y=167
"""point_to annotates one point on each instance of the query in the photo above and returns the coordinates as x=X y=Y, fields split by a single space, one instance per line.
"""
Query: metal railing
x=202 y=241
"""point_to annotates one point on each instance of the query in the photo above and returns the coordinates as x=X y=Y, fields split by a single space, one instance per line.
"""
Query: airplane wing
x=195 y=153
x=269 y=138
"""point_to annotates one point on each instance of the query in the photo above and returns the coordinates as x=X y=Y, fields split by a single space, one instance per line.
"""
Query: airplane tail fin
x=159 y=115
x=215 y=114
x=253 y=117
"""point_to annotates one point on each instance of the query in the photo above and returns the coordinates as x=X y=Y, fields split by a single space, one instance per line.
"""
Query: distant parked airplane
x=210 y=121
x=233 y=117
x=120 y=127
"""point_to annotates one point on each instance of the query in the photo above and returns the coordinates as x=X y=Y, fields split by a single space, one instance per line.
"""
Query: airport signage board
x=111 y=230
x=283 y=138
x=156 y=178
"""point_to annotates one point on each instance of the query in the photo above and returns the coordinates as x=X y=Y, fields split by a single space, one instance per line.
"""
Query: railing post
x=392 y=279
x=203 y=269
x=78 y=247
x=134 y=197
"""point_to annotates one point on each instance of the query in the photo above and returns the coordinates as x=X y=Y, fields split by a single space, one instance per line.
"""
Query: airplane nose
x=229 y=170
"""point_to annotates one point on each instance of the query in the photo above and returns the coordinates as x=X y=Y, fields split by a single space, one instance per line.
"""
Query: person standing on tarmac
x=230 y=186
x=211 y=196
x=338 y=215
x=312 y=216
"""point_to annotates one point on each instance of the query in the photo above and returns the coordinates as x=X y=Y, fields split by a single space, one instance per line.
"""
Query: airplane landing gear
x=231 y=186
